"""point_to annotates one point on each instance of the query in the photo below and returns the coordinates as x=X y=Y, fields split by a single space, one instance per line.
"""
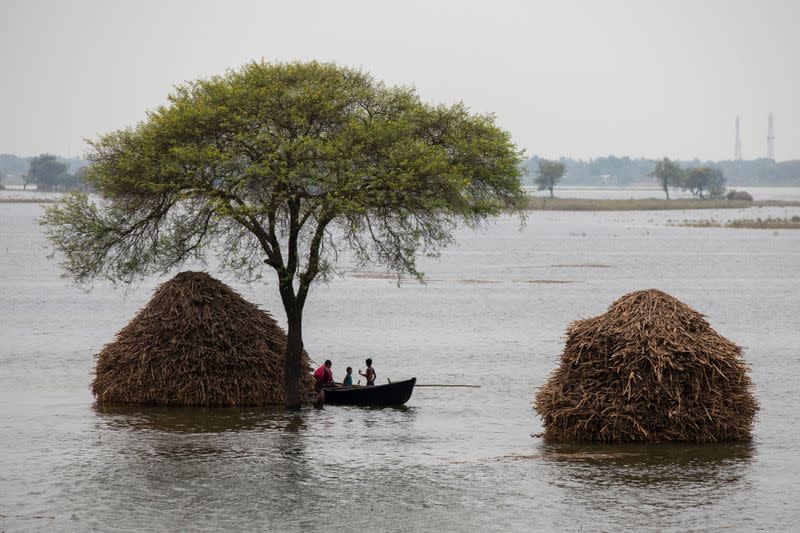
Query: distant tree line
x=702 y=181
x=47 y=172
x=625 y=171
x=14 y=165
x=601 y=171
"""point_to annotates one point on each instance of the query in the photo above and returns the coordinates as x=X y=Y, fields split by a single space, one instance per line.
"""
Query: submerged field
x=455 y=459
x=744 y=223
x=646 y=204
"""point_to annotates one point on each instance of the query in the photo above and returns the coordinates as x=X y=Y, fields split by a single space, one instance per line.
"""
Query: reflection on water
x=667 y=481
x=453 y=459
x=675 y=454
x=654 y=465
x=295 y=424
x=643 y=487
x=195 y=419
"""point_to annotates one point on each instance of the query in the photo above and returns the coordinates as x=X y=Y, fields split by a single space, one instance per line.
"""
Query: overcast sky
x=566 y=78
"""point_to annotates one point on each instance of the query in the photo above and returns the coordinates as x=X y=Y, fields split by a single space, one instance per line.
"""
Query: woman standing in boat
x=370 y=375
x=323 y=375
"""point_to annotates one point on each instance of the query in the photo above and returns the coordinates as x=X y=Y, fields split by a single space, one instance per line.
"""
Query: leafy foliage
x=12 y=165
x=668 y=173
x=702 y=179
x=274 y=155
x=50 y=173
x=548 y=174
x=623 y=171
x=284 y=166
x=46 y=171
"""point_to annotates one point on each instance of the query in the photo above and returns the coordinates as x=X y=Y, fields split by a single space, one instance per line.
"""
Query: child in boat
x=348 y=379
x=370 y=375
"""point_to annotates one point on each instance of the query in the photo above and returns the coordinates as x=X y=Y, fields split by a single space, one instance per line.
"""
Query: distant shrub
x=733 y=194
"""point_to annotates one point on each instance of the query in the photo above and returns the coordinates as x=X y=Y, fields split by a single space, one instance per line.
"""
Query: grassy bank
x=28 y=200
x=648 y=204
x=757 y=223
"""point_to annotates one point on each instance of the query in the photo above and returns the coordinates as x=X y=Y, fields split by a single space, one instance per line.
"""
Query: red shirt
x=323 y=375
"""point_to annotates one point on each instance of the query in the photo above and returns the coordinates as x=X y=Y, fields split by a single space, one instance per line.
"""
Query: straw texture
x=650 y=369
x=196 y=343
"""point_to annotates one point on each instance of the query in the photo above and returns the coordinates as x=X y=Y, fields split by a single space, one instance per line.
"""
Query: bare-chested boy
x=370 y=375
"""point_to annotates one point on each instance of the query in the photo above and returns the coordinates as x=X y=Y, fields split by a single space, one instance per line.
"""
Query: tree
x=13 y=166
x=548 y=174
x=80 y=178
x=668 y=174
x=46 y=171
x=281 y=166
x=703 y=178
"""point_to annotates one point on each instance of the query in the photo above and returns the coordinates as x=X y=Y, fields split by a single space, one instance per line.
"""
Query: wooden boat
x=396 y=393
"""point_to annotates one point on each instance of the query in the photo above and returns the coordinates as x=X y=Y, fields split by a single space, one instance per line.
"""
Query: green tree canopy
x=46 y=171
x=701 y=180
x=548 y=174
x=668 y=174
x=281 y=166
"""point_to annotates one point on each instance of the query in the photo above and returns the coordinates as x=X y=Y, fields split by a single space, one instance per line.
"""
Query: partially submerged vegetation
x=650 y=369
x=749 y=223
x=197 y=343
x=646 y=204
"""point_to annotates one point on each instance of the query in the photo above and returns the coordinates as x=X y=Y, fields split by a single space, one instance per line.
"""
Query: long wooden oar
x=449 y=385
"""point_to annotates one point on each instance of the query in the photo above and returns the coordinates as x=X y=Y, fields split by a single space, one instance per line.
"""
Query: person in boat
x=323 y=376
x=370 y=375
x=348 y=379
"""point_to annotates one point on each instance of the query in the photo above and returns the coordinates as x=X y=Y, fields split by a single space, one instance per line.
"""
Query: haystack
x=197 y=342
x=650 y=369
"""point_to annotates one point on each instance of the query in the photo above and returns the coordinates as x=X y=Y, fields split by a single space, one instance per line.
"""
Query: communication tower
x=737 y=149
x=771 y=137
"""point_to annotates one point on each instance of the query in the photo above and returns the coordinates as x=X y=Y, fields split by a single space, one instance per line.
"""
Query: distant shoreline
x=28 y=200
x=648 y=204
x=535 y=203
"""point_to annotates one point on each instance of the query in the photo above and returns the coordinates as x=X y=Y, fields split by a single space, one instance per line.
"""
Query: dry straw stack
x=650 y=369
x=197 y=342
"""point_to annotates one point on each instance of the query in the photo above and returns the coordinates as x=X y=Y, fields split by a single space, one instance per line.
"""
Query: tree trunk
x=551 y=192
x=294 y=356
x=666 y=190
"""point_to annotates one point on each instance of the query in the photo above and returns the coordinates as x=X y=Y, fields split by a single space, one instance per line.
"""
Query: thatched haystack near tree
x=650 y=369
x=197 y=342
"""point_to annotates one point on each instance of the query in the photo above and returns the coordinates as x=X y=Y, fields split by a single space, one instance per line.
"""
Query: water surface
x=493 y=313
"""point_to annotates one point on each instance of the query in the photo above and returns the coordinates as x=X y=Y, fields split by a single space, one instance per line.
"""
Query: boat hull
x=396 y=393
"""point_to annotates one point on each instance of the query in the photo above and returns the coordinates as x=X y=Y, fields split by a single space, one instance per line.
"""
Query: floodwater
x=639 y=193
x=454 y=459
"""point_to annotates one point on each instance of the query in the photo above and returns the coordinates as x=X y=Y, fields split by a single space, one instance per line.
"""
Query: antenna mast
x=737 y=149
x=771 y=137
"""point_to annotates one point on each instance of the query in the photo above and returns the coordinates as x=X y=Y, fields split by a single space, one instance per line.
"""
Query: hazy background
x=579 y=79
